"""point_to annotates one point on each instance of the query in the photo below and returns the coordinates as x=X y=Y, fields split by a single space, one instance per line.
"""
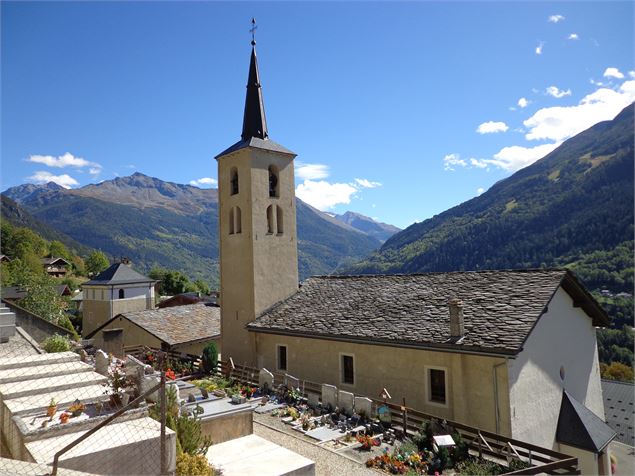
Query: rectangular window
x=282 y=357
x=437 y=385
x=348 y=370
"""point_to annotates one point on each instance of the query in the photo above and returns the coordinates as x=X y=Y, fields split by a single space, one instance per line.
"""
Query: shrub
x=210 y=357
x=193 y=465
x=56 y=343
x=481 y=467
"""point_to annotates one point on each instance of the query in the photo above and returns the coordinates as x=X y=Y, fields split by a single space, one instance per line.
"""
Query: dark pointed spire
x=254 y=121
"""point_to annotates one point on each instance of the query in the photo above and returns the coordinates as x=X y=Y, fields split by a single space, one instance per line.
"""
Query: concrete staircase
x=7 y=324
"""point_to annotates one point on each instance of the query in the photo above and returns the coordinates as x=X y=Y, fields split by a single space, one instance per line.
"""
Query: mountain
x=18 y=216
x=574 y=203
x=158 y=223
x=379 y=230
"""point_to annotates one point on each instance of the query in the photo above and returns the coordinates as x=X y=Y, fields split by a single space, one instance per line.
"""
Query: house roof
x=53 y=260
x=118 y=273
x=618 y=409
x=4 y=258
x=500 y=308
x=257 y=143
x=580 y=427
x=19 y=292
x=175 y=325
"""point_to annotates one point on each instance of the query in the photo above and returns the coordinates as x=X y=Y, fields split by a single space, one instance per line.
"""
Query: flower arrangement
x=64 y=417
x=368 y=441
x=401 y=461
x=76 y=408
x=170 y=375
x=248 y=391
x=293 y=413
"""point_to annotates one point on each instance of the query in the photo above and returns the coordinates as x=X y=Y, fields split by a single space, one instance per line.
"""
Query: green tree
x=210 y=357
x=96 y=263
x=202 y=287
x=617 y=371
x=57 y=249
x=42 y=298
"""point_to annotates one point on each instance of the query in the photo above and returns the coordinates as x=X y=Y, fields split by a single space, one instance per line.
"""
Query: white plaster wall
x=587 y=461
x=106 y=293
x=564 y=336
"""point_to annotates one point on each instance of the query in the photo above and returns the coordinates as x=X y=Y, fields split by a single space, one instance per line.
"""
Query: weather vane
x=252 y=30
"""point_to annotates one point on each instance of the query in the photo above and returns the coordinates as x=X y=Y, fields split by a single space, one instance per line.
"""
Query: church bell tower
x=257 y=226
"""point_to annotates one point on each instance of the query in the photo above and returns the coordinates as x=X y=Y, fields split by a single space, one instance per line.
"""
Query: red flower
x=169 y=373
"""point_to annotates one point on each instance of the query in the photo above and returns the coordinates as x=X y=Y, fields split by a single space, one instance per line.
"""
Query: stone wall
x=37 y=327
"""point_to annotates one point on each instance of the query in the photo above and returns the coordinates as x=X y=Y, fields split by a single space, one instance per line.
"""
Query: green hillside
x=564 y=209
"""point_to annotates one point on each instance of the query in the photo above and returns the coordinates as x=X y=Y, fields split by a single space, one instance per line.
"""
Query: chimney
x=456 y=318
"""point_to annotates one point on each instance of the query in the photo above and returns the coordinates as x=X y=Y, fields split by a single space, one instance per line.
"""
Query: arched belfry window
x=233 y=179
x=274 y=188
x=122 y=294
x=270 y=219
x=238 y=224
x=279 y=220
x=235 y=221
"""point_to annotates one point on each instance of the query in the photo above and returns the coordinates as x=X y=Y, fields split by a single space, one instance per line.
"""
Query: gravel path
x=327 y=463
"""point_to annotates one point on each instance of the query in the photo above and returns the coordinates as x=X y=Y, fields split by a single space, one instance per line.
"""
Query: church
x=508 y=351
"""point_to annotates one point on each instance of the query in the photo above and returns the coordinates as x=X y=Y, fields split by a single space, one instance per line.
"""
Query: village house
x=116 y=290
x=184 y=329
x=56 y=267
x=512 y=352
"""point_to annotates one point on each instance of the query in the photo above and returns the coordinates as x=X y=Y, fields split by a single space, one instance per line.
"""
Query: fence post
x=164 y=465
x=404 y=415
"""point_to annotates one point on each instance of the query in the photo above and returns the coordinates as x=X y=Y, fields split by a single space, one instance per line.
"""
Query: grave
x=222 y=420
x=329 y=395
x=346 y=402
x=364 y=406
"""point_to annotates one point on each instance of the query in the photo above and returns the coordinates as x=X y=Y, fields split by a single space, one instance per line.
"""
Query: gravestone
x=313 y=399
x=346 y=401
x=329 y=395
x=363 y=406
x=265 y=378
x=101 y=362
x=291 y=382
x=147 y=382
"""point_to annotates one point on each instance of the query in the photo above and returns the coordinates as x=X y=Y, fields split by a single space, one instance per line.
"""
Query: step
x=6 y=332
x=39 y=359
x=39 y=402
x=7 y=318
x=48 y=370
x=49 y=384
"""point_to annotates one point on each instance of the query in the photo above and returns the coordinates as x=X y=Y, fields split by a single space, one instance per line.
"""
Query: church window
x=279 y=220
x=270 y=219
x=274 y=189
x=437 y=386
x=347 y=368
x=122 y=294
x=234 y=180
x=282 y=357
x=231 y=221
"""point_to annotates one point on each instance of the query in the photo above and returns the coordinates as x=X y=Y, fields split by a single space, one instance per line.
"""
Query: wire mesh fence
x=64 y=412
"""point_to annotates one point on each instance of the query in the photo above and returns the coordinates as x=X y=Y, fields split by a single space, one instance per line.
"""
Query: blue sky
x=396 y=110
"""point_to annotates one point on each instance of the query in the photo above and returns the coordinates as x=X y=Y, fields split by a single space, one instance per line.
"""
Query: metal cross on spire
x=252 y=30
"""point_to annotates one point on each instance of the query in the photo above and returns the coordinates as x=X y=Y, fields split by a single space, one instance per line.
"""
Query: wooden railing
x=410 y=421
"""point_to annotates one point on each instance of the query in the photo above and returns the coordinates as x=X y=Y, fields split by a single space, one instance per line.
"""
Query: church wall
x=403 y=372
x=563 y=337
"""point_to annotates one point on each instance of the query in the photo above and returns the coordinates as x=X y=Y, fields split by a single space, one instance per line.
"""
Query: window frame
x=343 y=381
x=428 y=386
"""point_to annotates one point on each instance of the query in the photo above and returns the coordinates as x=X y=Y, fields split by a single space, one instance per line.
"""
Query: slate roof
x=180 y=324
x=580 y=427
x=618 y=409
x=266 y=144
x=48 y=261
x=118 y=273
x=19 y=292
x=500 y=308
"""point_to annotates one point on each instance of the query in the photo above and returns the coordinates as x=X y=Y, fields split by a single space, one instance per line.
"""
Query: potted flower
x=76 y=408
x=64 y=417
x=52 y=408
x=118 y=382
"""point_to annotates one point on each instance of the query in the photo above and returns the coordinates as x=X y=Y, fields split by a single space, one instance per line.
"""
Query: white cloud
x=94 y=170
x=452 y=160
x=324 y=195
x=559 y=123
x=516 y=157
x=557 y=93
x=523 y=102
x=204 y=181
x=62 y=161
x=492 y=127
x=573 y=36
x=555 y=18
x=613 y=73
x=479 y=164
x=631 y=74
x=63 y=180
x=539 y=47
x=364 y=183
x=311 y=171
x=480 y=190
